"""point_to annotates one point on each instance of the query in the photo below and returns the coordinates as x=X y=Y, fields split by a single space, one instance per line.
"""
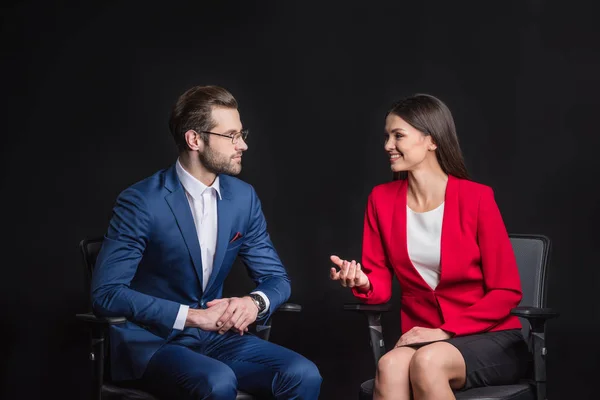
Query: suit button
x=203 y=304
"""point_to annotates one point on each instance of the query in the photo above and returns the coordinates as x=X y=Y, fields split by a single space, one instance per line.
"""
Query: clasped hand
x=226 y=314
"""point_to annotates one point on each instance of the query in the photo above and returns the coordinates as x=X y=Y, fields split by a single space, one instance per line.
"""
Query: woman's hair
x=431 y=116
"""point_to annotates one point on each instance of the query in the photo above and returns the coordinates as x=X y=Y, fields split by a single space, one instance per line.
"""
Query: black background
x=86 y=94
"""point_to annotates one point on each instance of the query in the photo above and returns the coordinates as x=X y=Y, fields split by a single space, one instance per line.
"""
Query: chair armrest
x=263 y=328
x=537 y=318
x=290 y=307
x=531 y=313
x=373 y=313
x=90 y=318
x=361 y=307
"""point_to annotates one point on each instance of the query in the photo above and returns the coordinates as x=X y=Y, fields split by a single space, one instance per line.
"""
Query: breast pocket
x=235 y=246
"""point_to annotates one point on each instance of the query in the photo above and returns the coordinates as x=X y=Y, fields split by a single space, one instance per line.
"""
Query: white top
x=203 y=204
x=424 y=235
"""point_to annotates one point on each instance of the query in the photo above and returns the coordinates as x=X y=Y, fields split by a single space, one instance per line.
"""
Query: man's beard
x=218 y=163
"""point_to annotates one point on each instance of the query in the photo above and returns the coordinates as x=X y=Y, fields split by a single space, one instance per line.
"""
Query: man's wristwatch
x=259 y=301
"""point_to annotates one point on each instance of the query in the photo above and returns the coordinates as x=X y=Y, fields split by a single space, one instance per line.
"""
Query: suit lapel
x=180 y=207
x=224 y=221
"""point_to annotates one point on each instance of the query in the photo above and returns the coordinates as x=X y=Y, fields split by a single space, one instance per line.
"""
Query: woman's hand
x=421 y=335
x=350 y=274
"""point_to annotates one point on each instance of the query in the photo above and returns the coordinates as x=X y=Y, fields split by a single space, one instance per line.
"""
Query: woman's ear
x=432 y=146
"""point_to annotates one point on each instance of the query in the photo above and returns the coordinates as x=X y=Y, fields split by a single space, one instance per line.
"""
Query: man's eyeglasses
x=235 y=137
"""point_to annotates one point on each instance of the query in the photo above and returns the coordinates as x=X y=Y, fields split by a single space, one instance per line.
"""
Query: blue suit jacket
x=150 y=263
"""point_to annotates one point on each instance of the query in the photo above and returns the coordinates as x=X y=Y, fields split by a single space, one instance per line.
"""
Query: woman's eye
x=398 y=136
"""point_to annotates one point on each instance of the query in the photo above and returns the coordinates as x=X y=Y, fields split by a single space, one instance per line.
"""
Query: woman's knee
x=426 y=359
x=395 y=362
x=434 y=363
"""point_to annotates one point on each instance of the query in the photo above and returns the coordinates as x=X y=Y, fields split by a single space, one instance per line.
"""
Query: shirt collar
x=192 y=185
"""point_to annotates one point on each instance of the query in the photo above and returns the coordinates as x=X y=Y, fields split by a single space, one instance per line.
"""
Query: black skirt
x=493 y=358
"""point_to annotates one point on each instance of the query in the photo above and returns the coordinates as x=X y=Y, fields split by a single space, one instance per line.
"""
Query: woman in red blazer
x=443 y=237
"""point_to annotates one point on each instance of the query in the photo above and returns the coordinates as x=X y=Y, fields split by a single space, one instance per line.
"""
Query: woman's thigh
x=493 y=358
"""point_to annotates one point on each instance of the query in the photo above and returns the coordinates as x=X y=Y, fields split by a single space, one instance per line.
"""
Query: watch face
x=259 y=300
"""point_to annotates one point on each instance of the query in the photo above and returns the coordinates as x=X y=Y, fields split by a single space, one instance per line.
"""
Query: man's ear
x=194 y=141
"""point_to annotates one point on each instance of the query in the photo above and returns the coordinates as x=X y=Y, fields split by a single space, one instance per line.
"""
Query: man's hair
x=193 y=111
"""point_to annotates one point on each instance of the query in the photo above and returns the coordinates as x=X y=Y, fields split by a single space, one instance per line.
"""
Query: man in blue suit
x=170 y=244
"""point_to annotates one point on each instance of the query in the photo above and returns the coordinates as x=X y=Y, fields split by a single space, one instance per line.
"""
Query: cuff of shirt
x=181 y=317
x=266 y=299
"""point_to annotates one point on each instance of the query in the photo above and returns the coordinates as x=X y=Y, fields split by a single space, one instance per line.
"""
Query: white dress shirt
x=424 y=234
x=203 y=204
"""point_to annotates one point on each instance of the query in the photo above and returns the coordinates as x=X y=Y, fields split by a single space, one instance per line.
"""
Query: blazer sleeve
x=122 y=249
x=262 y=261
x=500 y=274
x=374 y=260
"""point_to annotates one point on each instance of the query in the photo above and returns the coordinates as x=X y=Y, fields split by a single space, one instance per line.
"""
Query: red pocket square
x=236 y=237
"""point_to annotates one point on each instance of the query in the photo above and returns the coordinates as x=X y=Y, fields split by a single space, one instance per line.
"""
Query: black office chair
x=532 y=253
x=102 y=386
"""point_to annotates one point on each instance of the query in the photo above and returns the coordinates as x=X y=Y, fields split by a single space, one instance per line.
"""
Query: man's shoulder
x=150 y=185
x=235 y=185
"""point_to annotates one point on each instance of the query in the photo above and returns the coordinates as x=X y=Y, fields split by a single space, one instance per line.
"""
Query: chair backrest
x=89 y=250
x=532 y=253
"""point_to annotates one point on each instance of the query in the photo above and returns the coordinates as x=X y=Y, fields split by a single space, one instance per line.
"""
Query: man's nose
x=241 y=145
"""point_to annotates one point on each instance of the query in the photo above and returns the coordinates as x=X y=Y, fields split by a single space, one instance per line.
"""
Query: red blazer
x=479 y=280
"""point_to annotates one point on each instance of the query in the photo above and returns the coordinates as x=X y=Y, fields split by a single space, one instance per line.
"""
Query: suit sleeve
x=374 y=260
x=122 y=249
x=500 y=274
x=262 y=261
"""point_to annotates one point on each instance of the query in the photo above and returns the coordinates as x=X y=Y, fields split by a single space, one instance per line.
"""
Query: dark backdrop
x=86 y=94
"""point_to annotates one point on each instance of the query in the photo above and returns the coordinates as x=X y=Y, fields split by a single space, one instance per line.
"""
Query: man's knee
x=218 y=385
x=301 y=372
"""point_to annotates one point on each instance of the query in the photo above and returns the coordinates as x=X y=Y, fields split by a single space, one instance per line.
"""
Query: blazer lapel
x=451 y=234
x=450 y=241
x=399 y=236
x=180 y=207
x=224 y=220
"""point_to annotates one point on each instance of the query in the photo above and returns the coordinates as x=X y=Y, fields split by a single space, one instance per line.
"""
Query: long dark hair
x=431 y=116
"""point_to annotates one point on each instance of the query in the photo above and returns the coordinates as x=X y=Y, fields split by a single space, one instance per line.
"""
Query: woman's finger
x=336 y=260
x=334 y=274
x=351 y=274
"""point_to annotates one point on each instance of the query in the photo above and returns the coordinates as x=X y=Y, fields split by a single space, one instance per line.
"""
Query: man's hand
x=240 y=313
x=420 y=335
x=206 y=319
